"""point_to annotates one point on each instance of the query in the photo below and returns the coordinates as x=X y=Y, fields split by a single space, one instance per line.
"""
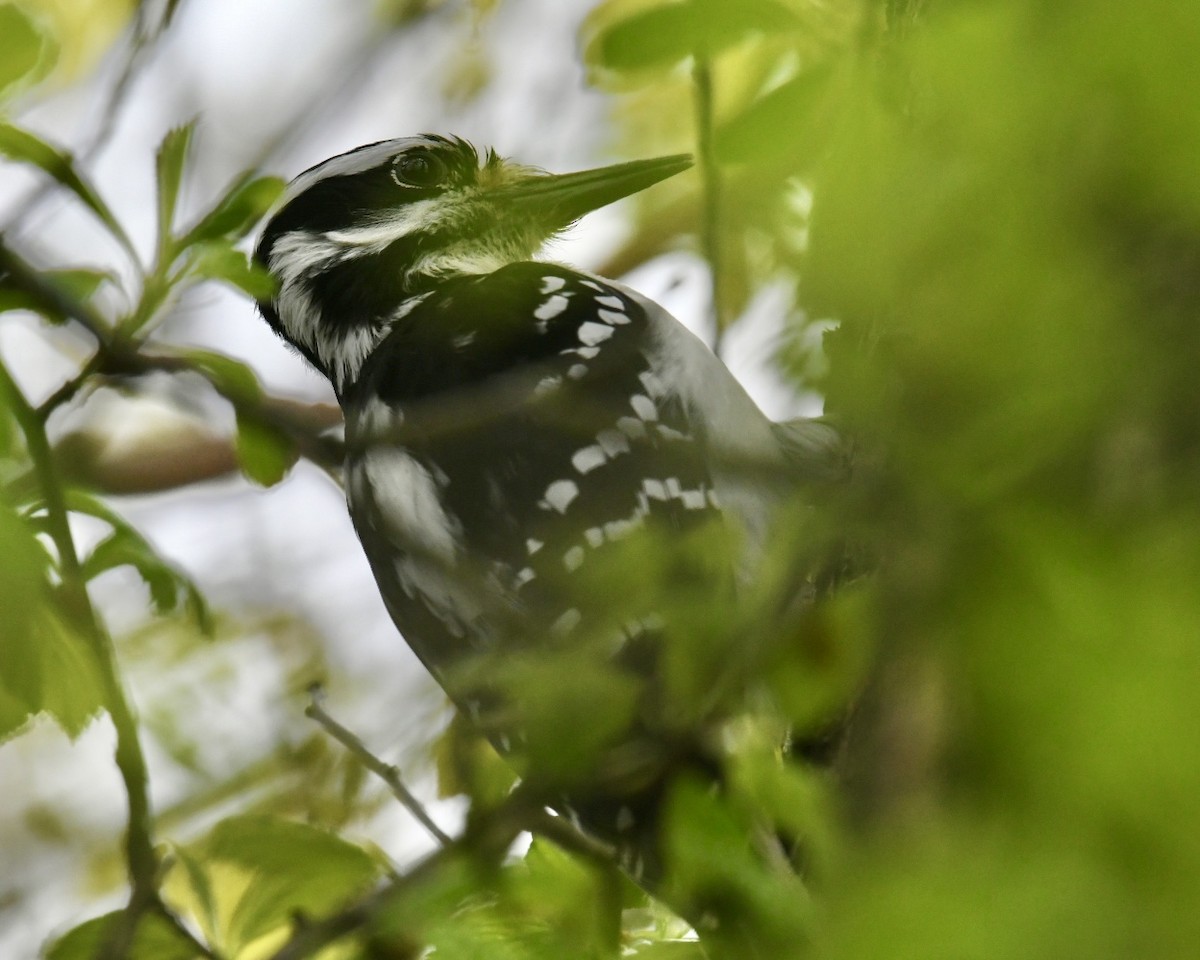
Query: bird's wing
x=536 y=436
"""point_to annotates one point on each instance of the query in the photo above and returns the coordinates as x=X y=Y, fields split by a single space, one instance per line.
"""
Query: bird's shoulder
x=471 y=329
x=571 y=440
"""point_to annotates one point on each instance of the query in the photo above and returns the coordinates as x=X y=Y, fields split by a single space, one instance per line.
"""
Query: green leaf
x=50 y=669
x=634 y=35
x=170 y=160
x=119 y=550
x=265 y=454
x=154 y=939
x=467 y=764
x=26 y=48
x=170 y=587
x=21 y=145
x=233 y=379
x=712 y=867
x=793 y=798
x=24 y=568
x=572 y=705
x=286 y=869
x=220 y=261
x=45 y=665
x=792 y=124
x=242 y=206
x=192 y=892
x=78 y=284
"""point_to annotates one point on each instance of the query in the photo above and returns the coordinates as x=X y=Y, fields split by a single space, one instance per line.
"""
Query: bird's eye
x=419 y=170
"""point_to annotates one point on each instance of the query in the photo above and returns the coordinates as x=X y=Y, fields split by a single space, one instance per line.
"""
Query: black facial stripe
x=342 y=201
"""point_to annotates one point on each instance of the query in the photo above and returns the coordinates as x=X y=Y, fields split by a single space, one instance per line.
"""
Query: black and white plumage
x=508 y=421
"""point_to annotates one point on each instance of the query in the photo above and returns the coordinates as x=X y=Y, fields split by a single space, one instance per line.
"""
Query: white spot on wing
x=551 y=284
x=577 y=371
x=532 y=546
x=655 y=489
x=609 y=316
x=632 y=428
x=573 y=558
x=653 y=385
x=616 y=529
x=614 y=303
x=592 y=333
x=560 y=493
x=551 y=308
x=567 y=622
x=643 y=406
x=588 y=459
x=612 y=442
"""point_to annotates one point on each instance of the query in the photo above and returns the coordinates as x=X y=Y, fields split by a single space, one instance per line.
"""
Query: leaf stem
x=139 y=845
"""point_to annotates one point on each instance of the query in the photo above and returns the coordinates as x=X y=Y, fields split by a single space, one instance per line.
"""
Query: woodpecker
x=510 y=419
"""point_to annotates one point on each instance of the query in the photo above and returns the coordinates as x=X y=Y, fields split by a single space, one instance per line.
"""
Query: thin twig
x=561 y=831
x=70 y=389
x=388 y=773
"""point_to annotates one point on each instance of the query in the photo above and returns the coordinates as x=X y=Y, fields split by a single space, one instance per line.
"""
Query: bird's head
x=356 y=238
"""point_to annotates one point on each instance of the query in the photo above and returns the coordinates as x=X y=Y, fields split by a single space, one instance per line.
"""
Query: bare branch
x=388 y=773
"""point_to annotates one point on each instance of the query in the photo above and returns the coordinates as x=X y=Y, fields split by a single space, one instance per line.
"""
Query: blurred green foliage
x=997 y=204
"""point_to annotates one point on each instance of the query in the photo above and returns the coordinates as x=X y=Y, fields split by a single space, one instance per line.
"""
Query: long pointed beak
x=557 y=200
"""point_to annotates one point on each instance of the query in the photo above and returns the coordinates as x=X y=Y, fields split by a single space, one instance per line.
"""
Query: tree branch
x=388 y=773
